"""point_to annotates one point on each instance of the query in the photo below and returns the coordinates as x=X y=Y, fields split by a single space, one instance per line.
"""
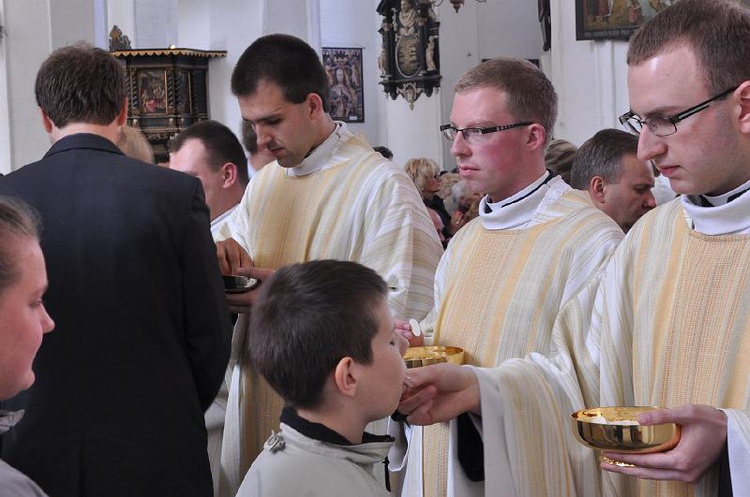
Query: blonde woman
x=425 y=173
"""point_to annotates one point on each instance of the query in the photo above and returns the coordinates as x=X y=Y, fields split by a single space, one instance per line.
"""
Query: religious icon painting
x=344 y=69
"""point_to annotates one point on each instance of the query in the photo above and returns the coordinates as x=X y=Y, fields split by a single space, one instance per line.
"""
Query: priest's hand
x=704 y=435
x=439 y=392
x=241 y=303
x=232 y=256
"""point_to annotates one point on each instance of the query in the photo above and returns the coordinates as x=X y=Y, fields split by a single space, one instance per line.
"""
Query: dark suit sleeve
x=208 y=330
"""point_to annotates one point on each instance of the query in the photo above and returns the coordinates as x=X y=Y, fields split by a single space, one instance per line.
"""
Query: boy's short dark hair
x=307 y=318
x=285 y=61
x=81 y=84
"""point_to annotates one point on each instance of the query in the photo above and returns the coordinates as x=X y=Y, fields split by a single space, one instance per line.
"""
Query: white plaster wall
x=155 y=23
x=589 y=76
x=71 y=21
x=5 y=143
x=413 y=132
x=26 y=48
x=194 y=25
x=509 y=28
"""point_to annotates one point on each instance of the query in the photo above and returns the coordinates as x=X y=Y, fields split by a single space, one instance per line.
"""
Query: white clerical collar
x=318 y=159
x=219 y=220
x=724 y=216
x=517 y=210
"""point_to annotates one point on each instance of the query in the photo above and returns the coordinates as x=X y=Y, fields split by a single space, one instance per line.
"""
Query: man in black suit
x=143 y=329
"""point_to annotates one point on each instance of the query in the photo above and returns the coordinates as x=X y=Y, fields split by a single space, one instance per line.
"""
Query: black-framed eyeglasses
x=666 y=125
x=449 y=131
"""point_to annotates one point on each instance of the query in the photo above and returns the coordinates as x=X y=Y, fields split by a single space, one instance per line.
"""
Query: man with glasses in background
x=505 y=275
x=668 y=324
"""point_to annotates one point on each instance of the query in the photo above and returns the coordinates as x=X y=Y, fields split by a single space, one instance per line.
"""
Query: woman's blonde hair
x=420 y=170
x=133 y=143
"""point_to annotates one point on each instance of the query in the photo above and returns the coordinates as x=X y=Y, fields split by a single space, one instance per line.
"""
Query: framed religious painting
x=168 y=91
x=614 y=19
x=344 y=69
x=152 y=90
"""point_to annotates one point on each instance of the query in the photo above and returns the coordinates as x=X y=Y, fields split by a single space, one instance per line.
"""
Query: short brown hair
x=81 y=84
x=717 y=30
x=286 y=61
x=601 y=155
x=307 y=318
x=530 y=95
x=222 y=146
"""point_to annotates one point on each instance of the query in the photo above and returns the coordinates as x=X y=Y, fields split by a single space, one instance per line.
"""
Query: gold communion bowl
x=615 y=429
x=416 y=357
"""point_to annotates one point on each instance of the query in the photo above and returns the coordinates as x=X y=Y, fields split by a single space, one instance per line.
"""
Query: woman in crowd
x=23 y=321
x=425 y=173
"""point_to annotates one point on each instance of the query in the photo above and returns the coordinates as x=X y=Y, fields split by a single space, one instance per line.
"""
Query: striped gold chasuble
x=500 y=291
x=683 y=334
x=359 y=207
x=666 y=324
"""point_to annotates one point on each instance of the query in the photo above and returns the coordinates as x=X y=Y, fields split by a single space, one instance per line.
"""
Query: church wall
x=589 y=76
x=27 y=41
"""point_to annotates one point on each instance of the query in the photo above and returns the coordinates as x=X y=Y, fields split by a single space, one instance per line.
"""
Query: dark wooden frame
x=409 y=58
x=180 y=77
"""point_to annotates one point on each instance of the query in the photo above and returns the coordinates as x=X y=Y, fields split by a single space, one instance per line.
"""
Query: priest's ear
x=536 y=137
x=744 y=117
x=229 y=175
x=597 y=185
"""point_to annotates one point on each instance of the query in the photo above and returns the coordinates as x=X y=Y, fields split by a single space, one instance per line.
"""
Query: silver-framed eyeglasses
x=450 y=132
x=666 y=125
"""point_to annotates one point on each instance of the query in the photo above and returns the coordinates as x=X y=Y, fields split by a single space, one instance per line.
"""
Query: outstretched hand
x=704 y=434
x=242 y=303
x=438 y=393
x=232 y=256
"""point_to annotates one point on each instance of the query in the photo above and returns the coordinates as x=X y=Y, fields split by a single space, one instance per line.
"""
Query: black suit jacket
x=142 y=331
